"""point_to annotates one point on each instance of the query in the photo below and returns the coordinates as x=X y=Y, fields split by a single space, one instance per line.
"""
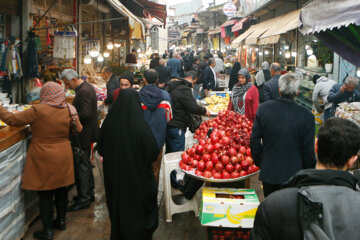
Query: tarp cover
x=321 y=15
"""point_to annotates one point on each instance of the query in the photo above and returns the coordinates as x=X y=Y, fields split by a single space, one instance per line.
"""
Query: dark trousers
x=46 y=205
x=175 y=140
x=269 y=188
x=327 y=114
x=84 y=177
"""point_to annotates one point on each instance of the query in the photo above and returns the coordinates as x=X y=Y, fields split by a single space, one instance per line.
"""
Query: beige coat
x=49 y=162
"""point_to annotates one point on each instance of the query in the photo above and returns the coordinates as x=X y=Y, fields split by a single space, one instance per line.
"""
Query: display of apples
x=226 y=153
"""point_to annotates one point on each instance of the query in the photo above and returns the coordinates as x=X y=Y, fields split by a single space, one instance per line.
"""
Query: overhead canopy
x=239 y=39
x=335 y=14
x=239 y=25
x=154 y=9
x=337 y=27
x=184 y=34
x=215 y=31
x=228 y=23
x=259 y=30
x=283 y=24
x=134 y=22
x=269 y=40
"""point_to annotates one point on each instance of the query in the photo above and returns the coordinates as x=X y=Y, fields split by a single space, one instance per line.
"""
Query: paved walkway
x=94 y=224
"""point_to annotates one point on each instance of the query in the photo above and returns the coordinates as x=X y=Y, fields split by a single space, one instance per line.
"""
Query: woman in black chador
x=128 y=148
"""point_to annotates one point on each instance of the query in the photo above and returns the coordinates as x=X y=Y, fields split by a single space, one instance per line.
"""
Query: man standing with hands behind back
x=85 y=102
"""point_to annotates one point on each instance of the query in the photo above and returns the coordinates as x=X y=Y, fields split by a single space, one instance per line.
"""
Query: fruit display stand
x=218 y=101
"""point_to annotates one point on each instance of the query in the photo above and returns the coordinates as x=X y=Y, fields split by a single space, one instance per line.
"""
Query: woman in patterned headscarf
x=245 y=96
x=49 y=167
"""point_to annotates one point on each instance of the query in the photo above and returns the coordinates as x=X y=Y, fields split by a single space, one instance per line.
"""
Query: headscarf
x=128 y=75
x=233 y=75
x=52 y=94
x=239 y=90
x=262 y=75
x=128 y=148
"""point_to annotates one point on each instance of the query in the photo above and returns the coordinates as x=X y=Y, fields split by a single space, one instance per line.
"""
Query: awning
x=184 y=34
x=151 y=22
x=154 y=9
x=239 y=25
x=228 y=23
x=215 y=31
x=259 y=30
x=239 y=39
x=269 y=40
x=283 y=24
x=320 y=15
x=134 y=28
x=337 y=27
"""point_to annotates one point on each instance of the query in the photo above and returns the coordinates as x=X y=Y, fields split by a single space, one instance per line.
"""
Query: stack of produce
x=226 y=153
x=349 y=111
x=217 y=103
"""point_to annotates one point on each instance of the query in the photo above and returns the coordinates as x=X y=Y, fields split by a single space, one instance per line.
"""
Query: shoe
x=46 y=234
x=59 y=224
x=79 y=206
x=92 y=198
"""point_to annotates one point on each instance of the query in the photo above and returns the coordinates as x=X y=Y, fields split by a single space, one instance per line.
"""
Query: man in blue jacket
x=175 y=66
x=282 y=137
x=343 y=93
x=271 y=87
x=156 y=104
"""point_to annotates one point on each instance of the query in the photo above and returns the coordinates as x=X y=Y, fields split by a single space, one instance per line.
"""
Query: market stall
x=220 y=156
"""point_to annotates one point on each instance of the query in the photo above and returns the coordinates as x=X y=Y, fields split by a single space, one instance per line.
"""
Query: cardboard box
x=228 y=207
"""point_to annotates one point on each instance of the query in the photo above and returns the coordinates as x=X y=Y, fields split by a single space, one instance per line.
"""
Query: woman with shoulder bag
x=49 y=166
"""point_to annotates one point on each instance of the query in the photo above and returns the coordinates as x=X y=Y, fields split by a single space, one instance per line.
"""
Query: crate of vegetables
x=221 y=207
x=223 y=152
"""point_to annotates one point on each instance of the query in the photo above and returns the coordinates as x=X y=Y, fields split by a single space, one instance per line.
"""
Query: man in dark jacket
x=175 y=66
x=163 y=73
x=282 y=138
x=85 y=102
x=131 y=57
x=156 y=104
x=321 y=203
x=271 y=88
x=209 y=77
x=343 y=93
x=183 y=104
x=196 y=68
x=112 y=84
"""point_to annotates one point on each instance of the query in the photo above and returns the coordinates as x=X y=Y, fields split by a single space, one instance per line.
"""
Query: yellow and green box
x=228 y=207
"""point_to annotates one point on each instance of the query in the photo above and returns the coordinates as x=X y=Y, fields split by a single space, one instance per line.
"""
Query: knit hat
x=128 y=75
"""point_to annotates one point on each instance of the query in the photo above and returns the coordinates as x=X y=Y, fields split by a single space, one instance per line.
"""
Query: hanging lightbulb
x=309 y=51
x=244 y=47
x=307 y=46
x=293 y=54
x=266 y=52
x=94 y=52
x=287 y=54
x=358 y=72
x=280 y=52
x=87 y=59
x=315 y=40
x=100 y=58
x=260 y=53
x=117 y=45
x=286 y=47
x=110 y=45
x=256 y=49
x=106 y=54
x=139 y=50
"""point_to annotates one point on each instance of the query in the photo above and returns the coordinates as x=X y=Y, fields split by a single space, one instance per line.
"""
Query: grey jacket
x=321 y=90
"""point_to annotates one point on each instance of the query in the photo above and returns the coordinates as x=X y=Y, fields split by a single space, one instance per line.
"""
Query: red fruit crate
x=215 y=233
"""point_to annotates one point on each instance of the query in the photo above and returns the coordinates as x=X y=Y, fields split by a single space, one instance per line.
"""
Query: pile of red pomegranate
x=226 y=153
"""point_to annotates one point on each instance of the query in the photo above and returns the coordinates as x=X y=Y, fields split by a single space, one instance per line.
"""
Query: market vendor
x=245 y=96
x=126 y=81
x=343 y=93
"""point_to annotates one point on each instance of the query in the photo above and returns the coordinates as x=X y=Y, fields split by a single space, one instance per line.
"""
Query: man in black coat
x=183 y=104
x=112 y=84
x=271 y=87
x=85 y=102
x=282 y=138
x=163 y=72
x=321 y=203
x=209 y=77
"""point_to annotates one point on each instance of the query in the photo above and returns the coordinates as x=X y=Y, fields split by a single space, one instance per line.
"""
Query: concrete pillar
x=26 y=19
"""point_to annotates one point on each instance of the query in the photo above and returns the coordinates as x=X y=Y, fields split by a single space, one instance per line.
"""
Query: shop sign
x=229 y=9
x=249 y=6
x=200 y=30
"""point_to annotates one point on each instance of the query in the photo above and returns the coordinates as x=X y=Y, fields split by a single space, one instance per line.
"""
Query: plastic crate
x=215 y=233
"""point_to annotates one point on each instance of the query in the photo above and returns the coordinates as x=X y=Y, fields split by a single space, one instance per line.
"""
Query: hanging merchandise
x=32 y=64
x=64 y=43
